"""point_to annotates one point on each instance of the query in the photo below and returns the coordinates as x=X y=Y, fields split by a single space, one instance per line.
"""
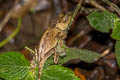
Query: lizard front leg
x=59 y=51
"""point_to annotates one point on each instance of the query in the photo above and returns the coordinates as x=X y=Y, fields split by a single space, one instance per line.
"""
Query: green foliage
x=102 y=21
x=117 y=52
x=13 y=66
x=12 y=35
x=49 y=62
x=73 y=53
x=1 y=78
x=82 y=54
x=116 y=30
x=57 y=72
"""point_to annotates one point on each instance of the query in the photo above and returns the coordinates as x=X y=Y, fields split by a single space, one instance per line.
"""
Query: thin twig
x=112 y=5
x=75 y=12
x=95 y=4
x=12 y=35
x=76 y=37
x=85 y=42
x=5 y=20
x=7 y=17
x=105 y=52
x=29 y=49
x=89 y=10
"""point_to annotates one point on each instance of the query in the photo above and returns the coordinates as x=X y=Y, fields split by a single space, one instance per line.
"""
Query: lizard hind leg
x=56 y=56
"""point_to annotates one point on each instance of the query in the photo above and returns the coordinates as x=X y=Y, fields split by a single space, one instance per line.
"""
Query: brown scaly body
x=48 y=41
x=51 y=37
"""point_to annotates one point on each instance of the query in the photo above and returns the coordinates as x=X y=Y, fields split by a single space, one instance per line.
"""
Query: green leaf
x=57 y=72
x=102 y=21
x=73 y=53
x=116 y=31
x=49 y=62
x=1 y=78
x=13 y=66
x=117 y=52
x=82 y=54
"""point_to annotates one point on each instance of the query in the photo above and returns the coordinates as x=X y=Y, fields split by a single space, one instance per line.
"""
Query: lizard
x=51 y=38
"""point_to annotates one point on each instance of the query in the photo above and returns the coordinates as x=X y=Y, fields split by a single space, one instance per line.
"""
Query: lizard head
x=63 y=21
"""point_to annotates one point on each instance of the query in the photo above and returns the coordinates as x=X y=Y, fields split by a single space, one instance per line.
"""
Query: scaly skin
x=50 y=39
x=53 y=35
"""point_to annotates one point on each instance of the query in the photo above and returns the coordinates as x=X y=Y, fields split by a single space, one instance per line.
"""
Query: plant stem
x=115 y=7
x=5 y=20
x=94 y=3
x=75 y=12
x=29 y=49
x=12 y=35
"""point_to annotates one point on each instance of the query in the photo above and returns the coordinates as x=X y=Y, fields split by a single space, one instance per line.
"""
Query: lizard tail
x=40 y=70
x=41 y=65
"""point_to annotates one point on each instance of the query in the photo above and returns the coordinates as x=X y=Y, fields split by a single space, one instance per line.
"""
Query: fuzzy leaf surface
x=117 y=52
x=14 y=66
x=73 y=53
x=102 y=21
x=116 y=31
x=82 y=54
x=57 y=72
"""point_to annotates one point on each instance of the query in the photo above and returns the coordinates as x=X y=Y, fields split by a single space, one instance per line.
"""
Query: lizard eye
x=65 y=18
